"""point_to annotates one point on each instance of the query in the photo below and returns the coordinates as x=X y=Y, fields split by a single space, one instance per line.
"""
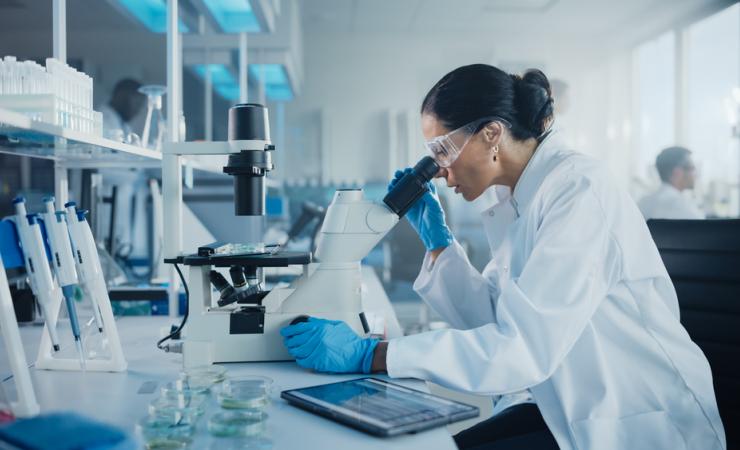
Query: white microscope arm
x=351 y=228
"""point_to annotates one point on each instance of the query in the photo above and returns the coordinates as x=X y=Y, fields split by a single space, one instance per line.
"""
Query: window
x=655 y=103
x=712 y=73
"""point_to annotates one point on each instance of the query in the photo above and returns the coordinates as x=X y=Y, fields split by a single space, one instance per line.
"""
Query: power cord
x=175 y=347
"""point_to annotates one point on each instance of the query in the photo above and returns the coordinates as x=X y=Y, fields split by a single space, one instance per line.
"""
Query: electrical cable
x=184 y=317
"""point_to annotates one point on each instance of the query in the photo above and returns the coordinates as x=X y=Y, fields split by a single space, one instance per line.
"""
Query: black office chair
x=703 y=260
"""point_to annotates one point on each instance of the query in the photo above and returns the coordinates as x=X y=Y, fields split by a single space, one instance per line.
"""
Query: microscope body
x=245 y=326
x=330 y=289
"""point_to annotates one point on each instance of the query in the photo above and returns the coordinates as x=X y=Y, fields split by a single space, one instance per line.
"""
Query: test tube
x=27 y=71
x=10 y=62
x=3 y=80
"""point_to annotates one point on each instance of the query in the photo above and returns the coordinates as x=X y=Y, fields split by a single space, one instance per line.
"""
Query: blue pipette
x=64 y=266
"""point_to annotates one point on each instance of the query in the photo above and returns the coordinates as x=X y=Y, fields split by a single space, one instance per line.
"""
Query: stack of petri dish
x=245 y=423
x=244 y=400
x=162 y=433
x=172 y=419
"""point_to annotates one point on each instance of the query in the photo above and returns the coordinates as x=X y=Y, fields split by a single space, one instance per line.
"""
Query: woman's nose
x=441 y=173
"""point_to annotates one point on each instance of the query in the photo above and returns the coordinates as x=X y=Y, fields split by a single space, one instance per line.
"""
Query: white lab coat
x=577 y=307
x=668 y=203
x=114 y=127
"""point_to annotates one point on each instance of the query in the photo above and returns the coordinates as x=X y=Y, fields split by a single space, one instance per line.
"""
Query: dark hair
x=126 y=100
x=670 y=158
x=476 y=91
x=126 y=87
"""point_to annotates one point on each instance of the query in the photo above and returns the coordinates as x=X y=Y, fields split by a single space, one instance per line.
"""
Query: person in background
x=125 y=103
x=677 y=174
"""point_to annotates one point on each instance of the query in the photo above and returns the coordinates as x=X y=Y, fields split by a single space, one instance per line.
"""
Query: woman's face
x=474 y=170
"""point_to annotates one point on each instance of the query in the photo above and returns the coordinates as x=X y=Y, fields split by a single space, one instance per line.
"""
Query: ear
x=492 y=133
x=677 y=173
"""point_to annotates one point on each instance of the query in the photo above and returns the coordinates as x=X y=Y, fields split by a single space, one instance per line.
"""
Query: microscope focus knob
x=299 y=319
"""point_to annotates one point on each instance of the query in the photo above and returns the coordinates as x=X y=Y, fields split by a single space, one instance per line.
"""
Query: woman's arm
x=455 y=289
x=433 y=254
x=539 y=316
x=379 y=355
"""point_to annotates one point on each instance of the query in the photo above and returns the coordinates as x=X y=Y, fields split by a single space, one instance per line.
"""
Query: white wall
x=354 y=80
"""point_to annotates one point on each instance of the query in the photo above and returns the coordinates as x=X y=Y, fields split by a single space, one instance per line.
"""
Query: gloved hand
x=427 y=216
x=328 y=346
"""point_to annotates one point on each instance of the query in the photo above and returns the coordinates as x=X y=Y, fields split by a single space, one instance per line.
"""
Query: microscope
x=241 y=322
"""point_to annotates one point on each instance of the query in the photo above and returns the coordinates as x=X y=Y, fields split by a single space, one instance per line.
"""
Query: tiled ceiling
x=514 y=18
x=573 y=18
x=81 y=15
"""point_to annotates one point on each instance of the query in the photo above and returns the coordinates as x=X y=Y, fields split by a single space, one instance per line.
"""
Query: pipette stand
x=26 y=405
x=115 y=363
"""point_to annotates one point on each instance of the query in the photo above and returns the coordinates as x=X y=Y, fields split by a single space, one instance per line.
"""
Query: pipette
x=86 y=259
x=37 y=265
x=63 y=262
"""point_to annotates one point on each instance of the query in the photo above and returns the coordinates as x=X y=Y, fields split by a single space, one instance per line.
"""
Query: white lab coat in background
x=669 y=203
x=577 y=307
x=112 y=123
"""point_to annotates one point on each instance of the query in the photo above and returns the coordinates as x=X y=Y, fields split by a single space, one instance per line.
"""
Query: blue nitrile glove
x=427 y=216
x=64 y=431
x=329 y=346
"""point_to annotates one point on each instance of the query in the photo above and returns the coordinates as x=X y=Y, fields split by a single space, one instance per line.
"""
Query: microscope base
x=222 y=347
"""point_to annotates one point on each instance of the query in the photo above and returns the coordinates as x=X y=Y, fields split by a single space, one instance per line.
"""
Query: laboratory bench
x=123 y=398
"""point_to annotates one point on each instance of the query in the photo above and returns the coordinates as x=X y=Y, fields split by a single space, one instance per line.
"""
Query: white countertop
x=114 y=397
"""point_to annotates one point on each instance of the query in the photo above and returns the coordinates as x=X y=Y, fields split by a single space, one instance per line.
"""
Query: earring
x=495 y=152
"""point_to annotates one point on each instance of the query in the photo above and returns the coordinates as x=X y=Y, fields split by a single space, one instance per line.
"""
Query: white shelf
x=20 y=135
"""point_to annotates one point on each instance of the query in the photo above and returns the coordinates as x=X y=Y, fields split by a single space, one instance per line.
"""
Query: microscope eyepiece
x=411 y=187
x=248 y=122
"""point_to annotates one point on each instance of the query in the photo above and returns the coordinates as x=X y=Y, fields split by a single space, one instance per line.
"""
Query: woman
x=575 y=311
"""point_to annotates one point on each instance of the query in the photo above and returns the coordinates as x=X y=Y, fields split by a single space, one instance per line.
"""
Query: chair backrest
x=703 y=260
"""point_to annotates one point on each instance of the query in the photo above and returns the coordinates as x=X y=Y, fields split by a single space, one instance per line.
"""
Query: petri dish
x=245 y=392
x=189 y=384
x=165 y=444
x=203 y=376
x=175 y=410
x=241 y=443
x=158 y=431
x=237 y=423
x=182 y=396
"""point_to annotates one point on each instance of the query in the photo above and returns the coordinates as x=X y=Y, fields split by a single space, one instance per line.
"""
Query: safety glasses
x=446 y=149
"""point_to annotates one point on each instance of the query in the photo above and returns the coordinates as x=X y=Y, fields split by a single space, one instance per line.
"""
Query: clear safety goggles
x=446 y=149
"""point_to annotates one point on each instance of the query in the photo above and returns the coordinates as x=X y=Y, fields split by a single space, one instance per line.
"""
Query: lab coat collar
x=535 y=171
x=530 y=179
x=503 y=195
x=669 y=188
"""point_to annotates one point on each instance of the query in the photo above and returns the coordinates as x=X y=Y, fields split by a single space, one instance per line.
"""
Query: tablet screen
x=385 y=404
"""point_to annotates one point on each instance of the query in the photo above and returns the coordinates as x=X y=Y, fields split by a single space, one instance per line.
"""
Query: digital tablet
x=379 y=407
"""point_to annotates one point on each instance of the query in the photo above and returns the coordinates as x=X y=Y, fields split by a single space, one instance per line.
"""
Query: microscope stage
x=281 y=259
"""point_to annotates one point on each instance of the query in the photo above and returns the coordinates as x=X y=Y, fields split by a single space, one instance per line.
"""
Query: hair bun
x=533 y=100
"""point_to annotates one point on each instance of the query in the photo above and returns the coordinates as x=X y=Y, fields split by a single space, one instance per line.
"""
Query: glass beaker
x=154 y=125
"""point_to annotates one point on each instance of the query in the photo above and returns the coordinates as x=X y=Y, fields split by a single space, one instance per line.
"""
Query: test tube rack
x=54 y=110
x=56 y=94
